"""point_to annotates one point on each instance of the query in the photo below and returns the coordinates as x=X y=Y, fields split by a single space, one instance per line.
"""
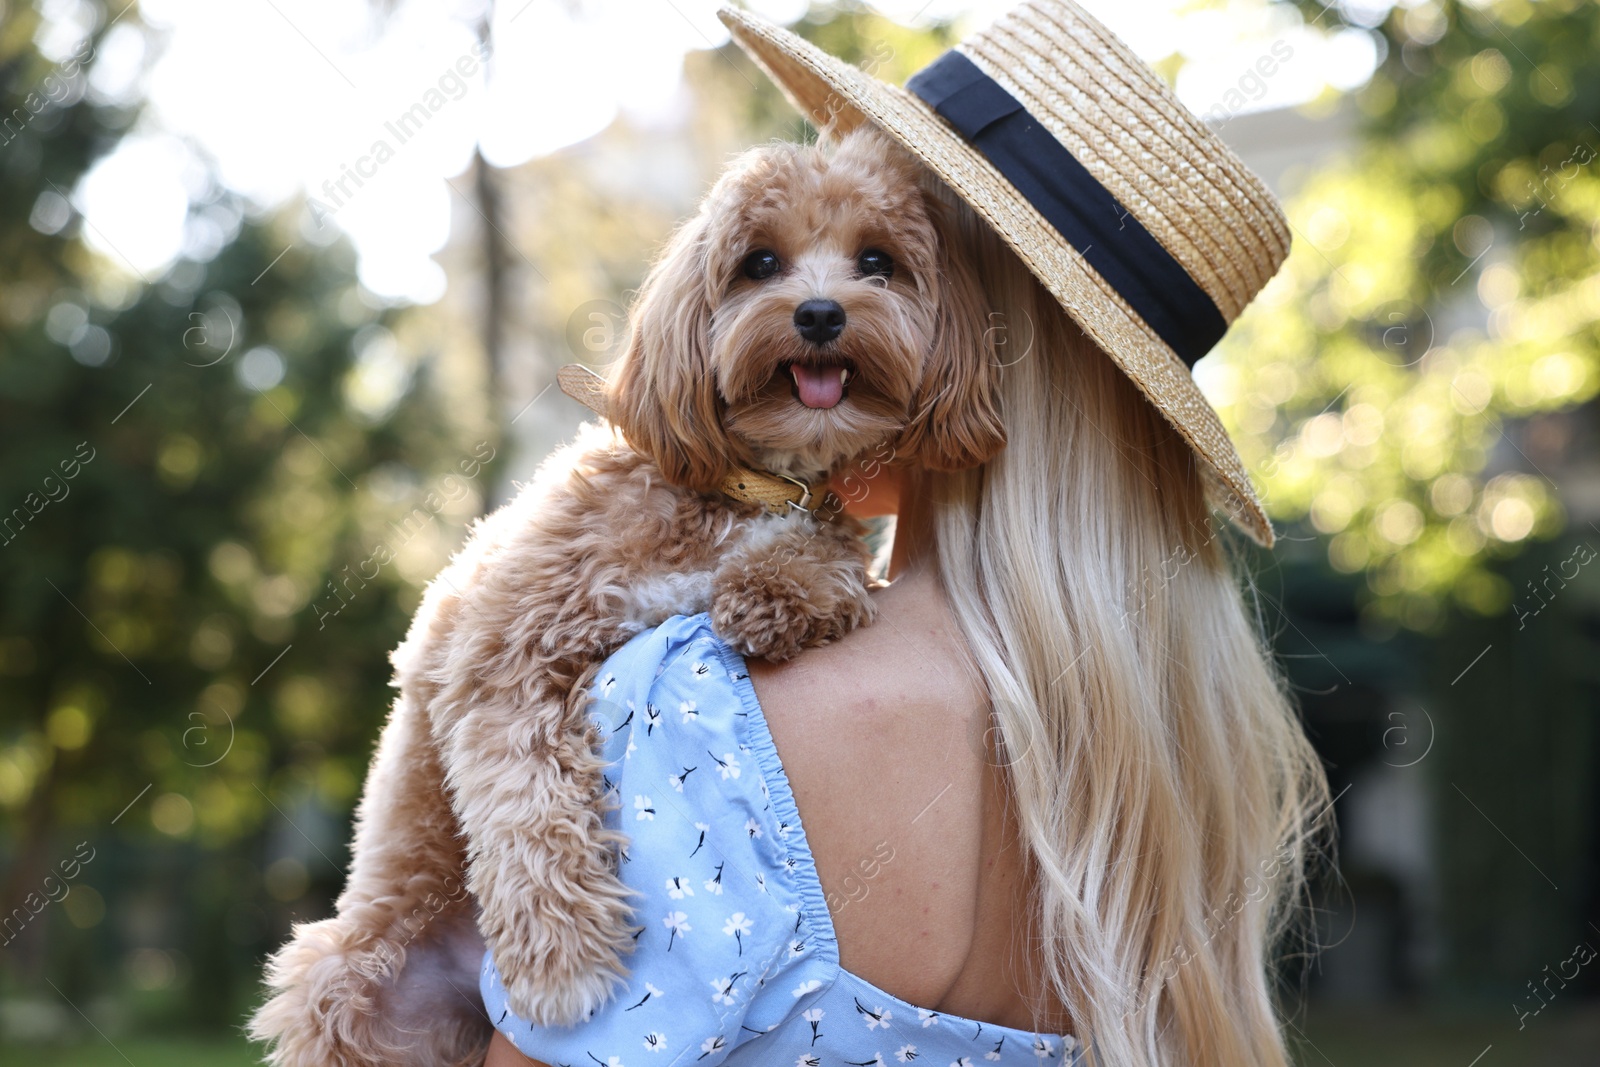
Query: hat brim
x=832 y=93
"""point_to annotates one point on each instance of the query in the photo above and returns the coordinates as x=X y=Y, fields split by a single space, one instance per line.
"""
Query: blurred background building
x=255 y=322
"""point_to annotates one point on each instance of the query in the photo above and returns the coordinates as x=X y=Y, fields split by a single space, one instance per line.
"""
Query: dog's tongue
x=819 y=387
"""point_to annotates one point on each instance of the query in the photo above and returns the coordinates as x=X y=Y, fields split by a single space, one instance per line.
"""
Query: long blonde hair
x=1168 y=797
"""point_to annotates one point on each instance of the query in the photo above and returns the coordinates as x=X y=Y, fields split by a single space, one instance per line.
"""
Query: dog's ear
x=663 y=395
x=955 y=421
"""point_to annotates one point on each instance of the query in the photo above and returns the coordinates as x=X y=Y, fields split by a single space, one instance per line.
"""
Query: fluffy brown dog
x=810 y=313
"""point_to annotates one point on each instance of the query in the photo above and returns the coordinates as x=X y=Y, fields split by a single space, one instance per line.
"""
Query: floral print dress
x=736 y=960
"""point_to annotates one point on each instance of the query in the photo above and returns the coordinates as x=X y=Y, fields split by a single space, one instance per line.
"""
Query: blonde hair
x=1168 y=797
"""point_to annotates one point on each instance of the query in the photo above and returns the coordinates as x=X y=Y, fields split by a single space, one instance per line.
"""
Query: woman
x=1054 y=805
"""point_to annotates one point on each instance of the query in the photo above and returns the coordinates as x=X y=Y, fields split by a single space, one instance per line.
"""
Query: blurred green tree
x=1441 y=291
x=1398 y=390
x=222 y=490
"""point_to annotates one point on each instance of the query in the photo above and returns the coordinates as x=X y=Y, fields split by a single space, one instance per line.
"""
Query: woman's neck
x=913 y=551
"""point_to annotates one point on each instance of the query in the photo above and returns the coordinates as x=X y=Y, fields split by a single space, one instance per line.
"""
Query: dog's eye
x=762 y=263
x=875 y=261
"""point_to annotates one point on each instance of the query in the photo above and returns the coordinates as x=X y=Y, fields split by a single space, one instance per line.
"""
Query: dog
x=812 y=312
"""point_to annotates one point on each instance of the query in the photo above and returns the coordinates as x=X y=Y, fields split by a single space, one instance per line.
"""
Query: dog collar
x=777 y=493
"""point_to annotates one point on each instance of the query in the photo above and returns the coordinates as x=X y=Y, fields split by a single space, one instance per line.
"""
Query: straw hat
x=1151 y=233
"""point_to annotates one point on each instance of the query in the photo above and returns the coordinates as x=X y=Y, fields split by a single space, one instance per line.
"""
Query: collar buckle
x=804 y=503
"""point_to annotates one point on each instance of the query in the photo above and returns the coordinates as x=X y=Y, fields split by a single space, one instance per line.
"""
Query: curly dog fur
x=480 y=821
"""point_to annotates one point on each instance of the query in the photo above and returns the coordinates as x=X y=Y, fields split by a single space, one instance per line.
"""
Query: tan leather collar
x=775 y=492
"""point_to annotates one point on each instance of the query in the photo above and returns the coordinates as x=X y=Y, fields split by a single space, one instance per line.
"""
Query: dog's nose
x=819 y=321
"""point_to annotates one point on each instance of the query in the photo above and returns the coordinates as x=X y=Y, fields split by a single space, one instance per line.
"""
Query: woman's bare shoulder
x=861 y=714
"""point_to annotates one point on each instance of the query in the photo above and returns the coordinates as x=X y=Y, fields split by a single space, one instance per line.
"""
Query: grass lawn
x=1332 y=1038
x=140 y=1052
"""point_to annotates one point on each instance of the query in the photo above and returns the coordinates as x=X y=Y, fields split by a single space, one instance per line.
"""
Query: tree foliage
x=222 y=489
x=1443 y=290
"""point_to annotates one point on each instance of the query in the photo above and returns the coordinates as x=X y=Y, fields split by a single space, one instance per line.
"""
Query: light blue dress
x=736 y=961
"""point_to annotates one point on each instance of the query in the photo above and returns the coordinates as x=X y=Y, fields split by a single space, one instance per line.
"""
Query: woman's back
x=886 y=740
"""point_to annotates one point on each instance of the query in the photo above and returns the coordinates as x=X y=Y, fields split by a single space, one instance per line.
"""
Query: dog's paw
x=554 y=914
x=560 y=984
x=772 y=614
x=327 y=987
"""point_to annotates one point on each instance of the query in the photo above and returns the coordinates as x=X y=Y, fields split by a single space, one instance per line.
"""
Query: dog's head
x=810 y=312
